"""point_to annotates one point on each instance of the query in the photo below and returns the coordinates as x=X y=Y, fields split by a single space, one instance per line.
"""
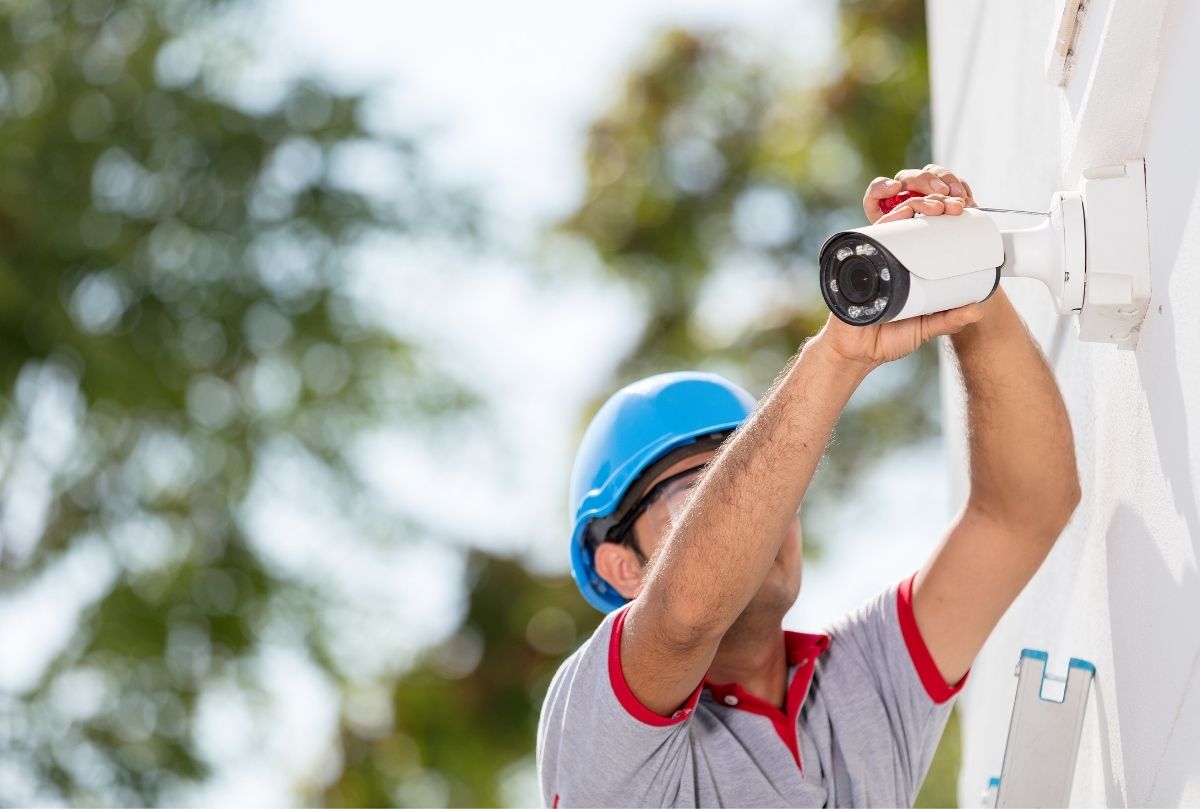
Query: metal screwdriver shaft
x=890 y=203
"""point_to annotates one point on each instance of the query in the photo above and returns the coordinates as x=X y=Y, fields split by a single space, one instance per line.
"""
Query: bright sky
x=502 y=94
x=507 y=89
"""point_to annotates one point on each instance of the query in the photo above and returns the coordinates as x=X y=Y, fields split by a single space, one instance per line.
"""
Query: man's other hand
x=874 y=345
x=942 y=190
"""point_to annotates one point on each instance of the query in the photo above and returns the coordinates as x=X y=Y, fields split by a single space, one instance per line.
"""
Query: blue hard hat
x=643 y=423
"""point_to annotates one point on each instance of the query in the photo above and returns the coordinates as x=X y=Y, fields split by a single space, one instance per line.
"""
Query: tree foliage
x=172 y=307
x=466 y=718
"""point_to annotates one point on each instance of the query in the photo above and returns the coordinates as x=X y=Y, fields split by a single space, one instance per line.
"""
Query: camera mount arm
x=1092 y=253
x=1053 y=252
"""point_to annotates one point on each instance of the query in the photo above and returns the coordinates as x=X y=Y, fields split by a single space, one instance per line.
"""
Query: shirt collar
x=802 y=650
x=801 y=645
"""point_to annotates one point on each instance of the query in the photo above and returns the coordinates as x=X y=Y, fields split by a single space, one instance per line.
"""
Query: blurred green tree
x=466 y=717
x=173 y=311
x=941 y=782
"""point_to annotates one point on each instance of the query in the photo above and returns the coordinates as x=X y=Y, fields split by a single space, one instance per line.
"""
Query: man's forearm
x=714 y=561
x=1022 y=454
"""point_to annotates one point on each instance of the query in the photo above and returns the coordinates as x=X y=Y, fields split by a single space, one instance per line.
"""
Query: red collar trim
x=800 y=645
x=802 y=652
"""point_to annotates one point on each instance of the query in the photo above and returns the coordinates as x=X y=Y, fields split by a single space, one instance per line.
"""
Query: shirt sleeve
x=597 y=745
x=890 y=702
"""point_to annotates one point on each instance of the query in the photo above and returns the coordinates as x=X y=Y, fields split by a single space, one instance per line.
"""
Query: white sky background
x=500 y=95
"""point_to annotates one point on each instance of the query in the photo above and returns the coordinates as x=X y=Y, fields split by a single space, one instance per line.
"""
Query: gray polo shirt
x=864 y=711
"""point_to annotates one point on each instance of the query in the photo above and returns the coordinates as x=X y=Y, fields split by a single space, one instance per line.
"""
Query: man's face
x=779 y=589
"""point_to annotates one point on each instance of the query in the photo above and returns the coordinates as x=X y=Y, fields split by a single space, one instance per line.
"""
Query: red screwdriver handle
x=886 y=205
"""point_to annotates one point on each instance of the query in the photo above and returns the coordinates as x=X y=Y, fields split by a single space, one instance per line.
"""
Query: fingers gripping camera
x=911 y=267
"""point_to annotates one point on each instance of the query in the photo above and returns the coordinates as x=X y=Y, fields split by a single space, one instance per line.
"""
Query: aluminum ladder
x=1043 y=735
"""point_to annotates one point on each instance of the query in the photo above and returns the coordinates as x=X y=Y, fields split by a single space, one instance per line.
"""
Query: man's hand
x=944 y=193
x=874 y=345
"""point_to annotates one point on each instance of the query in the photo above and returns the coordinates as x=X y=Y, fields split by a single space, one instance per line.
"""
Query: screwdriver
x=886 y=205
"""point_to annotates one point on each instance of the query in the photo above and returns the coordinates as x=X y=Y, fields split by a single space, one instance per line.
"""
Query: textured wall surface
x=1122 y=587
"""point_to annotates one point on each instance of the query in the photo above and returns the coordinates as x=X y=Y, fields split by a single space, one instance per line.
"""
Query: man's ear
x=618 y=565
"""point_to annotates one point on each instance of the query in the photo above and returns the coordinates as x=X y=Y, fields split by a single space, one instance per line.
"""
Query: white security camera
x=911 y=267
x=928 y=264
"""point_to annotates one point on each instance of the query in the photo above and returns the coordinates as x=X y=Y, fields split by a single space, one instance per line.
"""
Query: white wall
x=1121 y=588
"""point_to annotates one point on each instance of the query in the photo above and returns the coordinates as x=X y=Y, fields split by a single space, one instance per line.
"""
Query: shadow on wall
x=1153 y=670
x=1153 y=584
x=1159 y=373
x=1172 y=186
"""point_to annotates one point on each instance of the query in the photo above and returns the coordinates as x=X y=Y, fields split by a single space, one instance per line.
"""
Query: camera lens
x=858 y=279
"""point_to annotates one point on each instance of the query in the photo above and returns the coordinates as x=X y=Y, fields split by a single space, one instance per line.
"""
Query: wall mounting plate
x=1116 y=289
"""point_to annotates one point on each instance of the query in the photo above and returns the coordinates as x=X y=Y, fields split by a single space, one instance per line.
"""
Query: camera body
x=911 y=267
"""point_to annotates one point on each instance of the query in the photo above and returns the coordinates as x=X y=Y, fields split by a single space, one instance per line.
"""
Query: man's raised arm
x=1024 y=488
x=714 y=561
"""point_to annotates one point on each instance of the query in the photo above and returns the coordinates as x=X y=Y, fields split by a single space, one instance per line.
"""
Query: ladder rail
x=1043 y=735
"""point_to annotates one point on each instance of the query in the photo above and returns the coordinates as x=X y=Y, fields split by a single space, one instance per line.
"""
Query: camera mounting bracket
x=1092 y=253
x=1052 y=252
x=1117 y=282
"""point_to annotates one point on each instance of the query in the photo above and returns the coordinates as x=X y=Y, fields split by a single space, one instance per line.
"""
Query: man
x=690 y=693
